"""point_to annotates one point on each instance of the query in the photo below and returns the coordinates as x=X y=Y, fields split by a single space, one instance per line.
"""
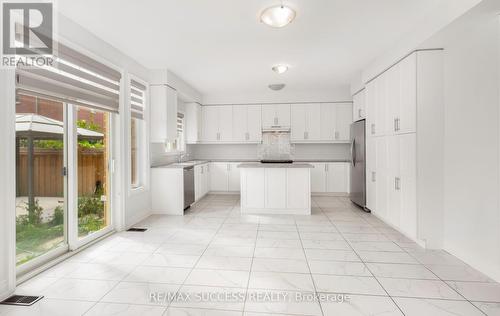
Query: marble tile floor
x=338 y=261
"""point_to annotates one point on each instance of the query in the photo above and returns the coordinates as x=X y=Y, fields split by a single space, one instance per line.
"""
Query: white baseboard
x=137 y=219
x=340 y=194
x=225 y=192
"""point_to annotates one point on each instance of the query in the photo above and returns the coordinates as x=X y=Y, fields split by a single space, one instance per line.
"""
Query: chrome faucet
x=181 y=157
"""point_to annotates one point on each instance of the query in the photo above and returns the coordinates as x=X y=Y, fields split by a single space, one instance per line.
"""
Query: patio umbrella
x=32 y=127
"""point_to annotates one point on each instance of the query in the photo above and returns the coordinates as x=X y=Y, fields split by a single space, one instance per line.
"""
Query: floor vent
x=137 y=229
x=21 y=300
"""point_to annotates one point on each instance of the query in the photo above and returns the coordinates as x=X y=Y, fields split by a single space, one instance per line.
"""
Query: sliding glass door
x=63 y=182
x=41 y=190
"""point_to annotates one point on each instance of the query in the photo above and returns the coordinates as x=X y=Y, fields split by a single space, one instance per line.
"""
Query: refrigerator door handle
x=353 y=152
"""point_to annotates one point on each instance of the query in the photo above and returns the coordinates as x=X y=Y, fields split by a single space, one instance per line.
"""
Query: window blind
x=137 y=99
x=74 y=78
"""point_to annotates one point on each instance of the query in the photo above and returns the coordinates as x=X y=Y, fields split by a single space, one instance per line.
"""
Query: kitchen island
x=275 y=188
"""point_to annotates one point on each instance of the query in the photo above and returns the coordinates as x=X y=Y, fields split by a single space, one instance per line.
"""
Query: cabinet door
x=358 y=110
x=206 y=179
x=298 y=188
x=269 y=118
x=283 y=114
x=225 y=123
x=371 y=108
x=171 y=105
x=254 y=123
x=218 y=177
x=336 y=177
x=313 y=123
x=192 y=122
x=381 y=104
x=298 y=128
x=234 y=177
x=240 y=123
x=254 y=188
x=407 y=185
x=210 y=123
x=275 y=188
x=318 y=178
x=343 y=120
x=381 y=176
x=327 y=123
x=371 y=173
x=393 y=174
x=198 y=182
x=393 y=100
x=407 y=118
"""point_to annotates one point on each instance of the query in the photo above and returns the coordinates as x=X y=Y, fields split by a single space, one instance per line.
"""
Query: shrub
x=90 y=205
x=35 y=212
x=58 y=217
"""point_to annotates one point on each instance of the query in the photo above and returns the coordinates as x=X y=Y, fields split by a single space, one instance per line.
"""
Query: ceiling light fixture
x=277 y=16
x=280 y=68
x=276 y=86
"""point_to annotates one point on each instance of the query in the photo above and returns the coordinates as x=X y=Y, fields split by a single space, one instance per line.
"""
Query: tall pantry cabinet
x=404 y=146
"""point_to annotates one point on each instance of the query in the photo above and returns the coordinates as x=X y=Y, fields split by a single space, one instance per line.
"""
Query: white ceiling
x=219 y=45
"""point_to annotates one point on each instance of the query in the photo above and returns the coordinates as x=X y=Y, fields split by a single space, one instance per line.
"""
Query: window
x=179 y=144
x=137 y=148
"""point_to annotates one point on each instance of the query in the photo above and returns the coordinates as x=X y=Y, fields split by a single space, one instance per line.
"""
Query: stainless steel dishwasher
x=188 y=186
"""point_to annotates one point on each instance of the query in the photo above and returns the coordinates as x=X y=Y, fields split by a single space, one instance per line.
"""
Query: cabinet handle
x=374 y=176
x=398 y=121
x=395 y=124
x=201 y=169
x=373 y=128
x=359 y=113
x=397 y=184
x=326 y=168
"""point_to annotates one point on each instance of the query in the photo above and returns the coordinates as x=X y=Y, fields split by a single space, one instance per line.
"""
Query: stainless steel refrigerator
x=358 y=164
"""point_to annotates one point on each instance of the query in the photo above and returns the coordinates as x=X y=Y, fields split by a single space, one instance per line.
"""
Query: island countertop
x=276 y=165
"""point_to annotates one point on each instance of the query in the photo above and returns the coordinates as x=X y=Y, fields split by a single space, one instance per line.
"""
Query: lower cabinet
x=201 y=180
x=331 y=177
x=224 y=176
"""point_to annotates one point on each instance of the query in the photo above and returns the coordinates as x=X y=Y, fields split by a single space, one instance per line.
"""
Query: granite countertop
x=275 y=165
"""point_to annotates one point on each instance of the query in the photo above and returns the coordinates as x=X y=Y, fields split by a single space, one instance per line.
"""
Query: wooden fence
x=47 y=173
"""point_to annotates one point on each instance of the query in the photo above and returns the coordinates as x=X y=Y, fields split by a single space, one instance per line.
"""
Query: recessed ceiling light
x=277 y=16
x=280 y=68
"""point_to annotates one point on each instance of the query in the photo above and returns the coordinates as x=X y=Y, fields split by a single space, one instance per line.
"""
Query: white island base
x=276 y=188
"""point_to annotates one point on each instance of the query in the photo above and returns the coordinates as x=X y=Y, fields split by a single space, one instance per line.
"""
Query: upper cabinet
x=217 y=123
x=247 y=123
x=358 y=106
x=163 y=113
x=193 y=123
x=325 y=122
x=276 y=115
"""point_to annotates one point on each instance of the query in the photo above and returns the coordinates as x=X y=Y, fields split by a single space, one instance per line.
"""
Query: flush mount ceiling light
x=277 y=16
x=276 y=86
x=280 y=68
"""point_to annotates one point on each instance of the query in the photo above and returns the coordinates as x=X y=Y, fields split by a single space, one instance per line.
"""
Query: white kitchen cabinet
x=405 y=100
x=298 y=189
x=201 y=181
x=305 y=121
x=343 y=120
x=210 y=124
x=358 y=105
x=218 y=176
x=254 y=193
x=193 y=123
x=335 y=122
x=233 y=177
x=276 y=115
x=318 y=178
x=163 y=114
x=247 y=123
x=407 y=113
x=336 y=177
x=276 y=188
x=217 y=123
x=371 y=173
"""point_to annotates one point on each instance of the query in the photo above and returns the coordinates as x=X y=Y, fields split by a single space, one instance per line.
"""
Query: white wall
x=471 y=177
x=341 y=93
x=250 y=151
